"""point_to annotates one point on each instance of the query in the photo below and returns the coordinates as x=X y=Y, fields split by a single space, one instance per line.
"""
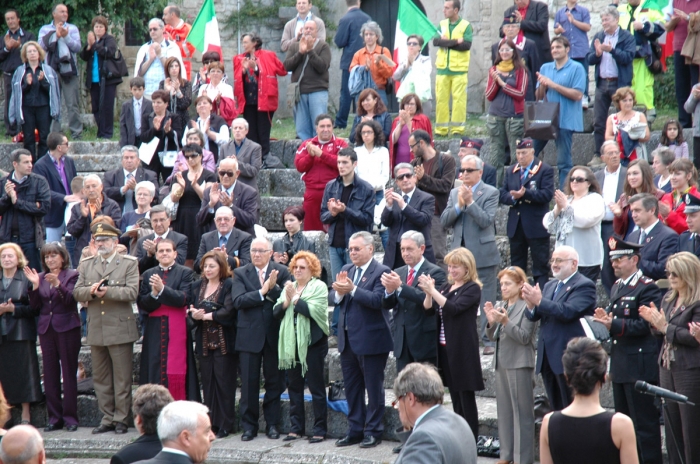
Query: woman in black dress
x=180 y=91
x=214 y=318
x=584 y=432
x=193 y=182
x=456 y=304
x=19 y=363
x=159 y=124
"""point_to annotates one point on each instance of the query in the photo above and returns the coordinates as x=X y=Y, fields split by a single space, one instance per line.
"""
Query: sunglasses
x=671 y=274
x=578 y=180
x=404 y=176
x=468 y=170
x=226 y=173
x=191 y=156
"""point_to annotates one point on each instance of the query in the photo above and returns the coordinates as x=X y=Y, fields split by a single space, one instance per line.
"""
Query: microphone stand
x=668 y=421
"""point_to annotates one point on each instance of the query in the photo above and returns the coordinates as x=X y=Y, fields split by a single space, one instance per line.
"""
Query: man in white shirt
x=294 y=28
x=150 y=60
x=611 y=180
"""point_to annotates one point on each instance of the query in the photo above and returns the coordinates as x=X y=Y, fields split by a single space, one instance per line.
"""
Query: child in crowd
x=134 y=113
x=672 y=137
x=573 y=21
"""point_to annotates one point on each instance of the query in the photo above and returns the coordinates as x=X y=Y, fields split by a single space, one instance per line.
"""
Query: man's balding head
x=22 y=444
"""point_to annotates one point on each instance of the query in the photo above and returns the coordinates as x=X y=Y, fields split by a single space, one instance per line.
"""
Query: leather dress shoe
x=103 y=429
x=348 y=441
x=222 y=433
x=272 y=432
x=316 y=439
x=370 y=442
x=72 y=428
x=248 y=435
x=53 y=427
x=291 y=437
x=120 y=428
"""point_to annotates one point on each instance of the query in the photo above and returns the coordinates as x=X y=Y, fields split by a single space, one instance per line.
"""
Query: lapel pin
x=364 y=279
x=568 y=288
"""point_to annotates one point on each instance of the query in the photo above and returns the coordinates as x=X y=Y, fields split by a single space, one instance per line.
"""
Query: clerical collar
x=166 y=269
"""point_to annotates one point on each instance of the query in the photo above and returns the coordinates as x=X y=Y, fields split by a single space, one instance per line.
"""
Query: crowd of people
x=170 y=252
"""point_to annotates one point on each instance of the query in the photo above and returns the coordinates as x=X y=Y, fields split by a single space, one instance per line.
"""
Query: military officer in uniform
x=635 y=350
x=690 y=239
x=110 y=283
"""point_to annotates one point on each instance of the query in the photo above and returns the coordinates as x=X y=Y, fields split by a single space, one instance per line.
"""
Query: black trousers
x=603 y=97
x=407 y=357
x=10 y=130
x=219 y=387
x=104 y=114
x=539 y=250
x=686 y=76
x=642 y=410
x=682 y=419
x=260 y=125
x=250 y=387
x=607 y=273
x=315 y=362
x=558 y=392
x=36 y=117
x=464 y=401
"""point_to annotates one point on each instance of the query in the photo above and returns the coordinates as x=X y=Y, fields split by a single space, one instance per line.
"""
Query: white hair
x=241 y=120
x=478 y=162
x=148 y=185
x=33 y=446
x=569 y=250
x=230 y=160
x=223 y=210
x=177 y=417
x=92 y=177
x=264 y=240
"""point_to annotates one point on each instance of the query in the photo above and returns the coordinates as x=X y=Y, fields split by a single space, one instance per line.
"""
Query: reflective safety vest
x=452 y=59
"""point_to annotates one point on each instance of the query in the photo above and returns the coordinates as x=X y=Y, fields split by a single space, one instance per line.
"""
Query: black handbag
x=336 y=391
x=114 y=66
x=541 y=120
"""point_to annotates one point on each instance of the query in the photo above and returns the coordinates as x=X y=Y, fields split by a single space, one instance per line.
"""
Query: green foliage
x=665 y=87
x=252 y=14
x=36 y=13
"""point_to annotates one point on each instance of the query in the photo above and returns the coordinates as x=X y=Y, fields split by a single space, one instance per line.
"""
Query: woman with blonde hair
x=303 y=342
x=457 y=304
x=514 y=363
x=680 y=356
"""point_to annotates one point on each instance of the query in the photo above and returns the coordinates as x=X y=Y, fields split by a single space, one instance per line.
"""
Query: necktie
x=128 y=196
x=158 y=240
x=642 y=237
x=137 y=117
x=358 y=274
x=409 y=279
x=696 y=243
x=556 y=290
x=222 y=241
x=262 y=277
x=405 y=198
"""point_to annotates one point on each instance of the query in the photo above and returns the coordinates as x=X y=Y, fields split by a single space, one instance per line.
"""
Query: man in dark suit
x=658 y=240
x=59 y=170
x=534 y=22
x=247 y=152
x=527 y=189
x=146 y=246
x=149 y=400
x=689 y=240
x=560 y=306
x=119 y=184
x=234 y=242
x=130 y=129
x=256 y=287
x=413 y=330
x=473 y=147
x=241 y=198
x=611 y=180
x=634 y=351
x=185 y=430
x=364 y=341
x=409 y=209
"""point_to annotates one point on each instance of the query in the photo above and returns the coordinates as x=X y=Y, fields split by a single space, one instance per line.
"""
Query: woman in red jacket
x=410 y=118
x=684 y=178
x=505 y=89
x=255 y=74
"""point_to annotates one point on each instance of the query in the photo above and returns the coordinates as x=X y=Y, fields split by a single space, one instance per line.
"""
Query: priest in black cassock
x=167 y=357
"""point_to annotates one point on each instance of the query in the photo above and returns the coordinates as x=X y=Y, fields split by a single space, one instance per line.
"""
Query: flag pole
x=238 y=28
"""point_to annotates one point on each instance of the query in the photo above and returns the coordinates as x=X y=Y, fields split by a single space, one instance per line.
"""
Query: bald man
x=22 y=444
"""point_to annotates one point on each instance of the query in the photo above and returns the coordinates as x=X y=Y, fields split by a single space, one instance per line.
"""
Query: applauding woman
x=180 y=91
x=410 y=118
x=680 y=353
x=303 y=342
x=371 y=108
x=684 y=179
x=159 y=124
x=213 y=126
x=219 y=92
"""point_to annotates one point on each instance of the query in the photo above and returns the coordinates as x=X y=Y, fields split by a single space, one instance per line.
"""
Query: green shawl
x=290 y=341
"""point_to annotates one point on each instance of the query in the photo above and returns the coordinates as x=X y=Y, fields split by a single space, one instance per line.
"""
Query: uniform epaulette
x=133 y=258
x=646 y=280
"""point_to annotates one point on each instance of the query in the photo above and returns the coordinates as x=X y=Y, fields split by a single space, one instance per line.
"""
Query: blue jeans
x=339 y=258
x=382 y=94
x=70 y=247
x=341 y=117
x=55 y=234
x=564 y=163
x=305 y=112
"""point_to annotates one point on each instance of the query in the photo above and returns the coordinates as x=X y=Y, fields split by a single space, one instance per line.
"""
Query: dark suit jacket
x=368 y=323
x=560 y=317
x=256 y=323
x=533 y=205
x=249 y=161
x=600 y=177
x=146 y=262
x=438 y=182
x=45 y=167
x=237 y=248
x=634 y=350
x=418 y=216
x=686 y=243
x=685 y=347
x=56 y=307
x=114 y=181
x=127 y=129
x=622 y=53
x=661 y=243
x=535 y=26
x=21 y=324
x=409 y=319
x=245 y=209
x=489 y=176
x=168 y=458
x=144 y=447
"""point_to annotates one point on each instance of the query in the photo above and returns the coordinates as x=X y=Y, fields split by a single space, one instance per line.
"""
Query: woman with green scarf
x=506 y=89
x=303 y=342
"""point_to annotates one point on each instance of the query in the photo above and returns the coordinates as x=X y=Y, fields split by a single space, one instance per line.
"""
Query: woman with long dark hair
x=639 y=179
x=180 y=90
x=410 y=118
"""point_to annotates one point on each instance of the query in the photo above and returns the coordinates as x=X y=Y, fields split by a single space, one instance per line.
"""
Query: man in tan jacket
x=110 y=282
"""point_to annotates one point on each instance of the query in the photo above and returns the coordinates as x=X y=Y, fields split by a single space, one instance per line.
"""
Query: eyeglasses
x=356 y=249
x=64 y=143
x=411 y=146
x=671 y=274
x=578 y=180
x=258 y=252
x=395 y=403
x=468 y=170
x=559 y=260
x=408 y=175
x=223 y=219
x=226 y=173
x=369 y=132
x=191 y=156
x=412 y=44
x=505 y=50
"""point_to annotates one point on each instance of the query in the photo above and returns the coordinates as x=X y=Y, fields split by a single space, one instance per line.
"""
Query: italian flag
x=410 y=20
x=204 y=34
